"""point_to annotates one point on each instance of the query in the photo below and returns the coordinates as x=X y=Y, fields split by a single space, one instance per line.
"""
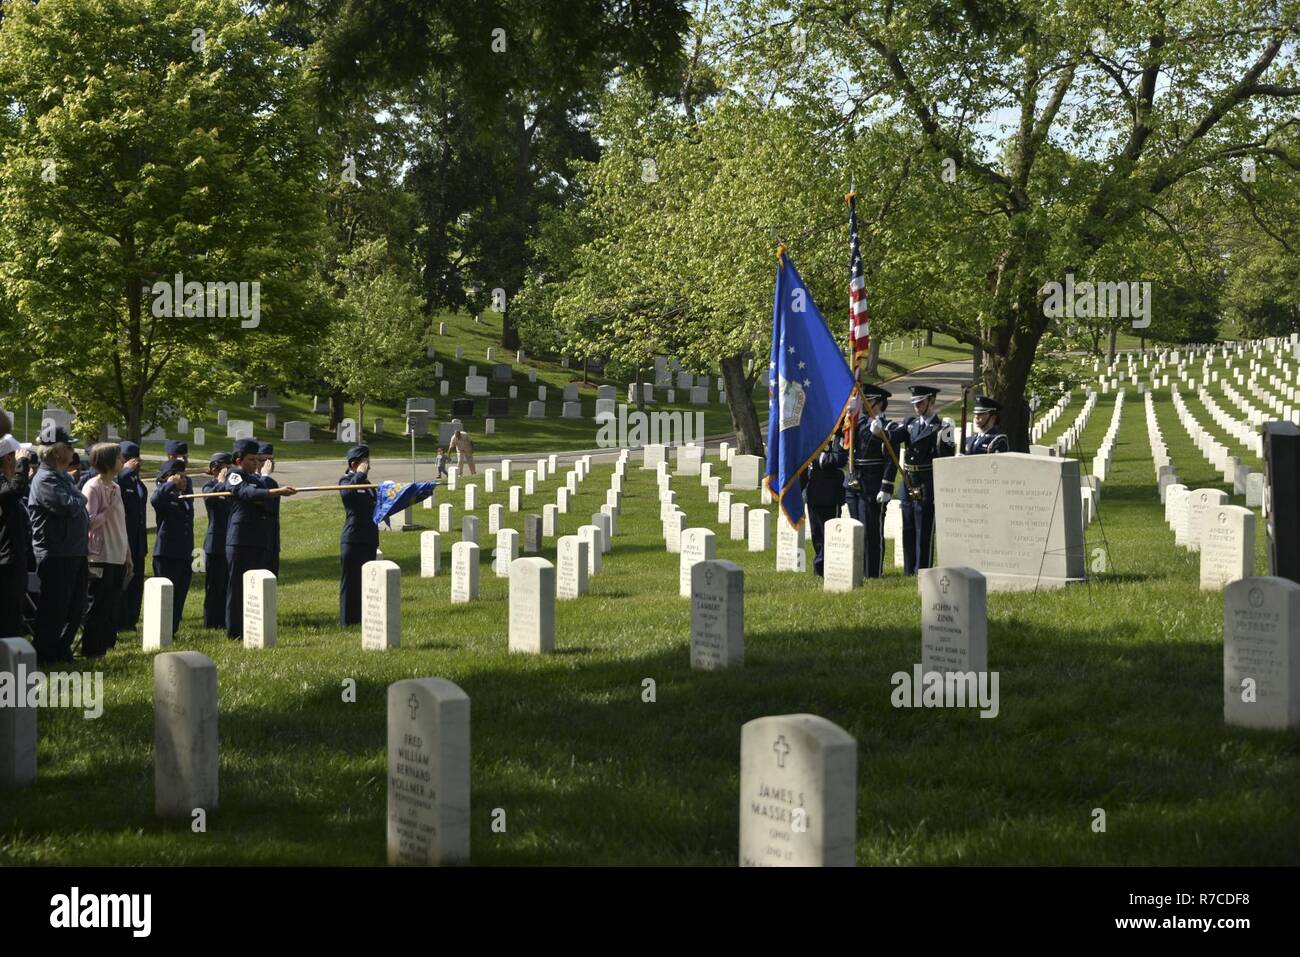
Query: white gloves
x=882 y=497
x=946 y=433
x=877 y=428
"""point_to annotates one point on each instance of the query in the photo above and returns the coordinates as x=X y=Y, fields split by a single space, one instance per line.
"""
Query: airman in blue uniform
x=989 y=439
x=214 y=543
x=823 y=495
x=359 y=540
x=248 y=533
x=872 y=469
x=173 y=544
x=135 y=501
x=927 y=438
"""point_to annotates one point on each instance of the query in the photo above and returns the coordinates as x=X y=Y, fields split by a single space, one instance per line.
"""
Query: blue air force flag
x=395 y=496
x=809 y=387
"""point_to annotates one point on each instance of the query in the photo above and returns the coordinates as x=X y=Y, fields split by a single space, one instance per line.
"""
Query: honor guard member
x=872 y=469
x=60 y=528
x=989 y=438
x=266 y=452
x=135 y=500
x=15 y=537
x=360 y=537
x=248 y=533
x=179 y=451
x=927 y=438
x=214 y=543
x=173 y=544
x=823 y=483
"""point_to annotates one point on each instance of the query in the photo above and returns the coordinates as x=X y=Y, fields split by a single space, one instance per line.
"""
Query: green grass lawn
x=1110 y=698
x=514 y=434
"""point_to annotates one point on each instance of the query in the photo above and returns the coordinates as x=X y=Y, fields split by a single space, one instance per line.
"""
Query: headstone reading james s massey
x=798 y=792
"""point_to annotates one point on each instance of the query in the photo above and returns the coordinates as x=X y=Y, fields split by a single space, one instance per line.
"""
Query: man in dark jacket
x=823 y=483
x=135 y=498
x=60 y=537
x=173 y=544
x=214 y=543
x=248 y=534
x=15 y=538
x=360 y=537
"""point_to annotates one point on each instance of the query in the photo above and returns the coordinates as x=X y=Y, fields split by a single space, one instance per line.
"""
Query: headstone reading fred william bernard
x=1261 y=653
x=428 y=772
x=798 y=792
x=1015 y=518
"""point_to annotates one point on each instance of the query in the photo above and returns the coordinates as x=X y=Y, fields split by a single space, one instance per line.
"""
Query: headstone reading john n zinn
x=954 y=620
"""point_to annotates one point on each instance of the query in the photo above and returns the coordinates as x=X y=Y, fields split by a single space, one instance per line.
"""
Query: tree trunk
x=361 y=418
x=929 y=337
x=336 y=410
x=640 y=392
x=740 y=403
x=1110 y=349
x=509 y=334
x=1006 y=377
x=873 y=359
x=977 y=366
x=585 y=379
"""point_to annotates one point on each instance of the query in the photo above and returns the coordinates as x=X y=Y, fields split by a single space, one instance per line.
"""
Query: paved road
x=949 y=377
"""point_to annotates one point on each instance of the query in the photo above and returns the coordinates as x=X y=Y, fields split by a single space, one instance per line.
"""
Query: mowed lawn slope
x=1111 y=698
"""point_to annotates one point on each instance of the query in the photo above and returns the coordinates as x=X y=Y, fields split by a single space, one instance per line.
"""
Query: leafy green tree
x=150 y=139
x=373 y=348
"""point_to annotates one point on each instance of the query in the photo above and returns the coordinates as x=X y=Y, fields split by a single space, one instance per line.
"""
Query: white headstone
x=381 y=605
x=1227 y=545
x=464 y=572
x=532 y=606
x=571 y=576
x=261 y=609
x=790 y=555
x=954 y=620
x=428 y=773
x=1261 y=653
x=1014 y=517
x=697 y=545
x=717 y=615
x=842 y=554
x=158 y=597
x=746 y=471
x=798 y=793
x=591 y=535
x=184 y=734
x=507 y=551
x=430 y=554
x=17 y=720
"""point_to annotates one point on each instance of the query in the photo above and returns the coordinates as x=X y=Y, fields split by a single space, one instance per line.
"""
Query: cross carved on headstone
x=414 y=704
x=782 y=749
x=943 y=584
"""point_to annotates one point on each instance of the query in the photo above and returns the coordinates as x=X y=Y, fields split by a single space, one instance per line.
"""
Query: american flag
x=859 y=316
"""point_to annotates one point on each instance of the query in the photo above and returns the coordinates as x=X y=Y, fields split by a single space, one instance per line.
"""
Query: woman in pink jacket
x=109 y=552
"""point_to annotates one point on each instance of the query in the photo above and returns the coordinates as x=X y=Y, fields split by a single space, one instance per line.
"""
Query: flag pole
x=304 y=488
x=853 y=482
